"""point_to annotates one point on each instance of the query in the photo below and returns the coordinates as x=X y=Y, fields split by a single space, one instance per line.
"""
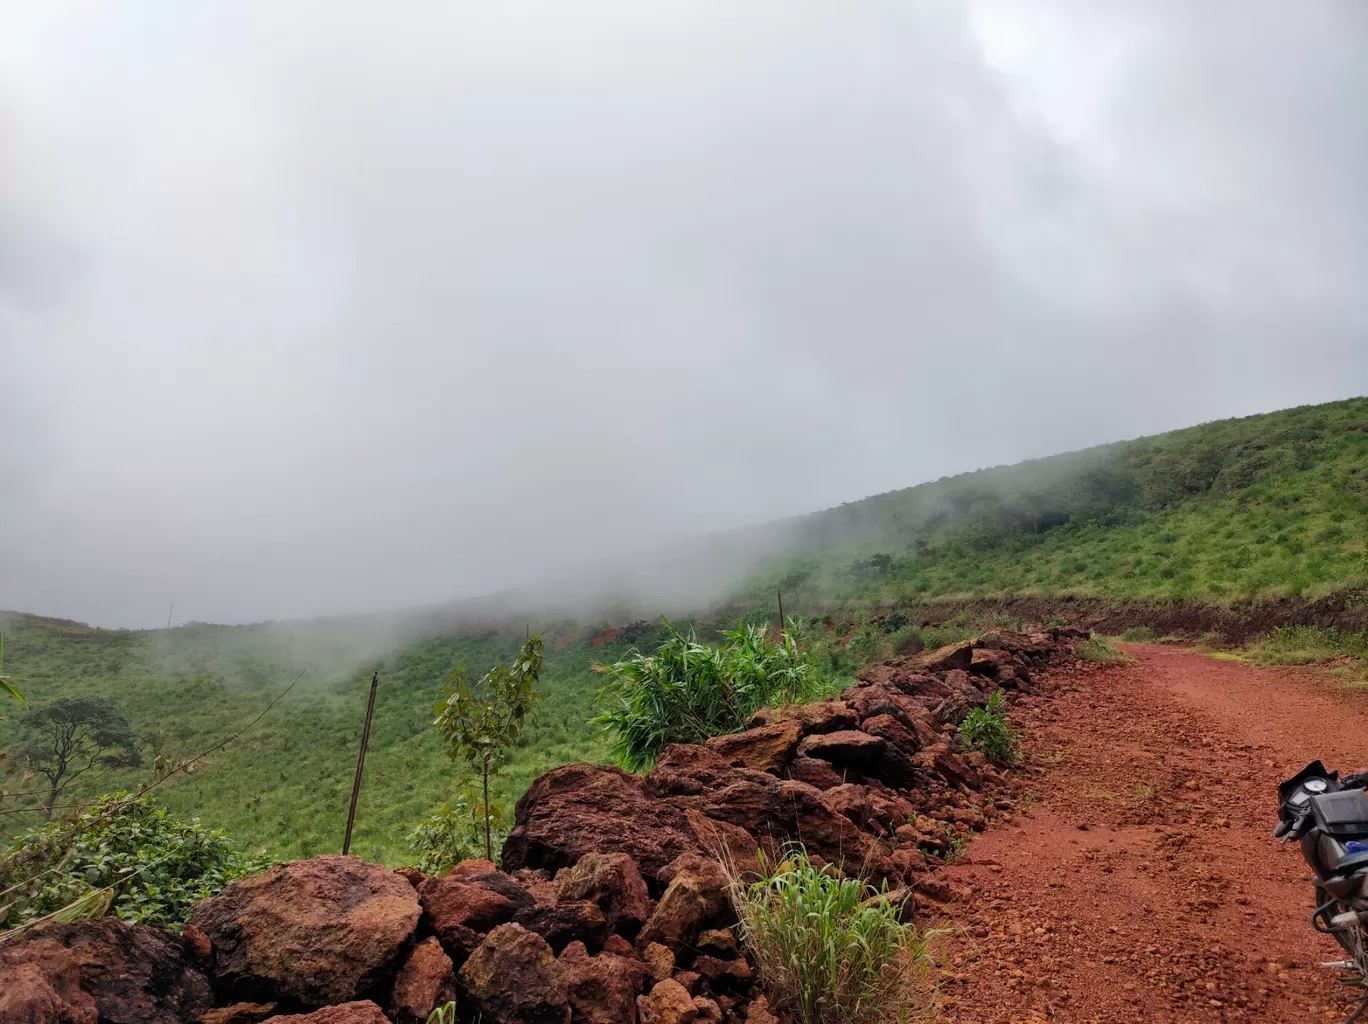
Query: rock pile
x=611 y=907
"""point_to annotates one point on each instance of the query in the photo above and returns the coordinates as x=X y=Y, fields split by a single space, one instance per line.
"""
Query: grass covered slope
x=1266 y=506
x=284 y=786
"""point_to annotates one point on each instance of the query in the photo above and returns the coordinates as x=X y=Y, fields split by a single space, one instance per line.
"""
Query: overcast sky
x=319 y=307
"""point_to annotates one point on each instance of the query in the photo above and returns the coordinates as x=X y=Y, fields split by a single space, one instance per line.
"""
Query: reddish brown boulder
x=823 y=716
x=514 y=978
x=426 y=979
x=612 y=882
x=563 y=923
x=696 y=895
x=473 y=868
x=759 y=1012
x=314 y=932
x=602 y=989
x=766 y=748
x=949 y=766
x=659 y=960
x=123 y=974
x=583 y=808
x=29 y=996
x=238 y=1013
x=668 y=1003
x=724 y=975
x=461 y=909
x=888 y=728
x=872 y=810
x=813 y=771
x=359 y=1012
x=881 y=699
x=848 y=747
x=945 y=658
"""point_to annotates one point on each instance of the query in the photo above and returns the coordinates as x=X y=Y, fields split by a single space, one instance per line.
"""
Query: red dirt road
x=1139 y=880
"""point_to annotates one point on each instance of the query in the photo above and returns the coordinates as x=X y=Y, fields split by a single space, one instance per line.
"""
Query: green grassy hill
x=284 y=785
x=1261 y=507
x=1268 y=507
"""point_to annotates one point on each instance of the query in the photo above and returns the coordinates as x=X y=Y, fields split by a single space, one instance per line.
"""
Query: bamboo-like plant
x=688 y=691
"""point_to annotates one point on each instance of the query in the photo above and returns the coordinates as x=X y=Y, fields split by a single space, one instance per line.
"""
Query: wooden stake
x=781 y=613
x=360 y=764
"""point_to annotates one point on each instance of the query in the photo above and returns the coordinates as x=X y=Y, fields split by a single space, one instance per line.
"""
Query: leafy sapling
x=479 y=721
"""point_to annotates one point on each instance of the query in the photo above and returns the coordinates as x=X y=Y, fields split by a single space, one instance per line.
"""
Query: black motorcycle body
x=1328 y=816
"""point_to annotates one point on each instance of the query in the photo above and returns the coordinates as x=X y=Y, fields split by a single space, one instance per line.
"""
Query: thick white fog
x=319 y=307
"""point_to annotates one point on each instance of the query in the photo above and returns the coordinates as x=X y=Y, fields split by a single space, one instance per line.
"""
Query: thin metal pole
x=781 y=613
x=360 y=764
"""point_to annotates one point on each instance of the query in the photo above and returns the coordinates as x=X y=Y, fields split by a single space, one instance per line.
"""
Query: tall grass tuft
x=830 y=949
x=1305 y=645
x=688 y=691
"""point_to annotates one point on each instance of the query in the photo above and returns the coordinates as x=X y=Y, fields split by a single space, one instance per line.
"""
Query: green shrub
x=1138 y=635
x=827 y=948
x=1304 y=645
x=456 y=833
x=154 y=866
x=987 y=730
x=688 y=691
x=1099 y=648
x=907 y=640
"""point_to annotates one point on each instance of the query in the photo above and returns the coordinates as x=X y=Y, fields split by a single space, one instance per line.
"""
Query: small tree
x=70 y=736
x=479 y=721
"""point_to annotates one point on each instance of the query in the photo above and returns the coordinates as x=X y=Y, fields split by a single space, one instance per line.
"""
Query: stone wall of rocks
x=611 y=907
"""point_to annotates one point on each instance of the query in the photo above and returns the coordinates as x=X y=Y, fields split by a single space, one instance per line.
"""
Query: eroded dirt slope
x=1139 y=880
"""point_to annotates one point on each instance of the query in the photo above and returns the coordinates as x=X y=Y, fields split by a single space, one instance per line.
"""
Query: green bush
x=688 y=691
x=1304 y=645
x=987 y=730
x=907 y=640
x=1139 y=635
x=827 y=948
x=123 y=855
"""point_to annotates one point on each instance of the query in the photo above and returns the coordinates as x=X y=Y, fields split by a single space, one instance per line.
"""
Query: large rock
x=668 y=1003
x=694 y=898
x=602 y=989
x=427 y=979
x=823 y=716
x=588 y=808
x=943 y=659
x=563 y=923
x=849 y=747
x=50 y=993
x=462 y=908
x=776 y=809
x=311 y=933
x=122 y=974
x=814 y=771
x=612 y=882
x=514 y=978
x=361 y=1011
x=870 y=809
x=238 y=1013
x=766 y=748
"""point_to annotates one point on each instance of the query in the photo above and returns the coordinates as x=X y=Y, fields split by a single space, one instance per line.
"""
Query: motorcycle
x=1328 y=815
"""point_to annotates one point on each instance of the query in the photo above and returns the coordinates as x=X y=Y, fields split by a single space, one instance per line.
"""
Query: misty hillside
x=1264 y=506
